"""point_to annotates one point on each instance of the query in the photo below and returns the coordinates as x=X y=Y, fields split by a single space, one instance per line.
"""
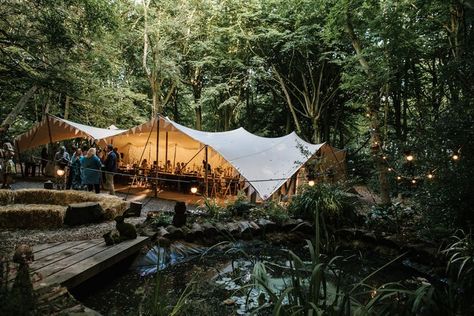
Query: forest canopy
x=381 y=79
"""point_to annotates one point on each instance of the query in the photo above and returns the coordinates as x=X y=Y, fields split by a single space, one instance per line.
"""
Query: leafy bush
x=163 y=219
x=241 y=205
x=391 y=218
x=214 y=210
x=322 y=198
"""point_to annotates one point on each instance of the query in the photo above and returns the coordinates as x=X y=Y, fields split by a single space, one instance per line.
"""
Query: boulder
x=255 y=228
x=266 y=225
x=197 y=231
x=162 y=232
x=233 y=229
x=83 y=213
x=174 y=233
x=209 y=230
x=245 y=230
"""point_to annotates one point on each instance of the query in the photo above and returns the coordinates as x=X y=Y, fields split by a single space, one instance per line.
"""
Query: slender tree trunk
x=18 y=108
x=66 y=107
x=374 y=121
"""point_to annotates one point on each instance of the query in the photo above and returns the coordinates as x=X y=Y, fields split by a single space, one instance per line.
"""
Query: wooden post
x=166 y=151
x=157 y=152
x=50 y=153
x=206 y=182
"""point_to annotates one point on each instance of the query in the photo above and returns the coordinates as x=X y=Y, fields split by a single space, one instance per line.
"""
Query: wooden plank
x=57 y=256
x=40 y=247
x=105 y=257
x=37 y=264
x=55 y=249
x=48 y=270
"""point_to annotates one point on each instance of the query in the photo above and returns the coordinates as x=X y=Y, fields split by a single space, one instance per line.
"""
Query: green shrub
x=322 y=198
x=163 y=219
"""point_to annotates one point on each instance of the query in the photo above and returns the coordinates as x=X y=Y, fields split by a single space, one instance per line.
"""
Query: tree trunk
x=373 y=106
x=18 y=108
x=66 y=107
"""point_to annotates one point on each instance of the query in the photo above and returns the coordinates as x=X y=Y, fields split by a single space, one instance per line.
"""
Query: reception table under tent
x=215 y=163
x=261 y=165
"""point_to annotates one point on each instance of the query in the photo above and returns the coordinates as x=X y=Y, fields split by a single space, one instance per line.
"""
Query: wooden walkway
x=71 y=263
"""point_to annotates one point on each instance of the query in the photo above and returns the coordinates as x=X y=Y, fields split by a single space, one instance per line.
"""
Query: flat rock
x=174 y=233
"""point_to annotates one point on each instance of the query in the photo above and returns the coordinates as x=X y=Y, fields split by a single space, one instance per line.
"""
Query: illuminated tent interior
x=266 y=164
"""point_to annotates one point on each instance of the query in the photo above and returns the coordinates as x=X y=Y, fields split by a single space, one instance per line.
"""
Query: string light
x=399 y=178
x=413 y=181
x=311 y=183
x=455 y=157
x=409 y=157
x=60 y=172
x=194 y=190
x=430 y=175
x=389 y=169
x=384 y=157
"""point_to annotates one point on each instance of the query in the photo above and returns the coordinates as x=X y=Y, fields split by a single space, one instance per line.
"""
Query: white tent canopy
x=55 y=129
x=266 y=163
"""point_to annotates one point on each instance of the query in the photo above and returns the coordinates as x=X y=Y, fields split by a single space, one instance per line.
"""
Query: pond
x=221 y=277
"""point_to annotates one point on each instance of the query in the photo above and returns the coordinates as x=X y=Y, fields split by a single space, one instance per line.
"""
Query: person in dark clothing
x=110 y=168
x=44 y=159
x=204 y=164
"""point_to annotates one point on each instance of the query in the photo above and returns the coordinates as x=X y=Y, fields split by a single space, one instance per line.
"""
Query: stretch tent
x=54 y=129
x=265 y=163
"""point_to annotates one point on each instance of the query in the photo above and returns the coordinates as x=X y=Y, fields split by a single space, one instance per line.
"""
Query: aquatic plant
x=156 y=302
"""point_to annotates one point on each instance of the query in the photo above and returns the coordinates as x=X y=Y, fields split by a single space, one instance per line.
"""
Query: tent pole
x=166 y=152
x=206 y=183
x=157 y=160
x=50 y=153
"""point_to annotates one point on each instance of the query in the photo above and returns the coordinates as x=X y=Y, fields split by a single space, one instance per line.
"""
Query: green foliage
x=392 y=218
x=214 y=210
x=163 y=219
x=271 y=210
x=321 y=198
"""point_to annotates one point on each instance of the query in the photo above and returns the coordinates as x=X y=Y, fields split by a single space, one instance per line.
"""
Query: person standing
x=44 y=159
x=8 y=170
x=110 y=168
x=91 y=170
x=76 y=173
x=62 y=158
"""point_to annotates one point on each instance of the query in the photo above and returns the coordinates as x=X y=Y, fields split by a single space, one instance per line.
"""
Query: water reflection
x=160 y=258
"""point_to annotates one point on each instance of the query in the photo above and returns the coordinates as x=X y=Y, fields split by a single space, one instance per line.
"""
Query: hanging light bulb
x=311 y=183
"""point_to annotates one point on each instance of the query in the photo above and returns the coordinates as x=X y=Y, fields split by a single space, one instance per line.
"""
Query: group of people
x=86 y=168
